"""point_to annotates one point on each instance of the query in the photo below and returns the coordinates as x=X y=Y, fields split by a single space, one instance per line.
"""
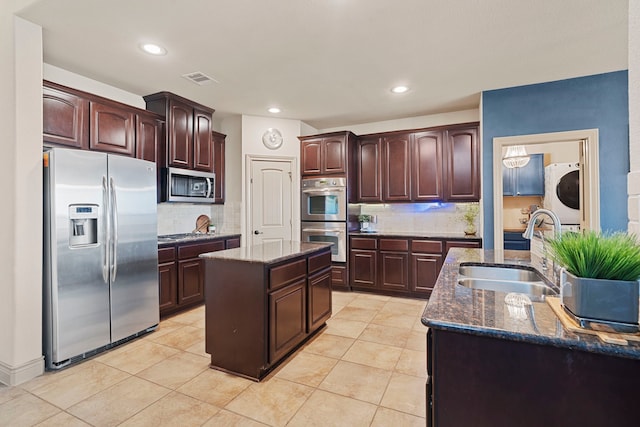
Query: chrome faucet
x=528 y=233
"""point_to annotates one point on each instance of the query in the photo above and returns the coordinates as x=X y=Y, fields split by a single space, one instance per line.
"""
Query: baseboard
x=19 y=374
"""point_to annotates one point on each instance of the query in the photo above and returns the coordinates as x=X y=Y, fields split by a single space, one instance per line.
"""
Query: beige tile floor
x=366 y=368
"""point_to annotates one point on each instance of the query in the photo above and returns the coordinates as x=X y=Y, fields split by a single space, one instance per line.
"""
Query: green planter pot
x=600 y=299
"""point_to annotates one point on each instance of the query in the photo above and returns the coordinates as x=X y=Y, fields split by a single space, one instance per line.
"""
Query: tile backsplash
x=181 y=217
x=423 y=217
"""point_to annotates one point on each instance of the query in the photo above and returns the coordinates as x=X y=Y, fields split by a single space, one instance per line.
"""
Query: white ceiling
x=331 y=63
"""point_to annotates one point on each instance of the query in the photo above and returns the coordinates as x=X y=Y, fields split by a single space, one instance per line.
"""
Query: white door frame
x=590 y=182
x=295 y=193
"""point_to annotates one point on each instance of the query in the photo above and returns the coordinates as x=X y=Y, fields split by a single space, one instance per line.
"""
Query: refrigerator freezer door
x=134 y=260
x=76 y=291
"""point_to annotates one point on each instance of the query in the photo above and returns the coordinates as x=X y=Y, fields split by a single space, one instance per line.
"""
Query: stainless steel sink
x=535 y=289
x=499 y=273
x=504 y=279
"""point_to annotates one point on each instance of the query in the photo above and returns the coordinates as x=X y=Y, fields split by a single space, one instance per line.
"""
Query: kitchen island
x=262 y=302
x=490 y=365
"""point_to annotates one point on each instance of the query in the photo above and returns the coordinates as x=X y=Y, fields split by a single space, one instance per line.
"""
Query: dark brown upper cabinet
x=324 y=154
x=428 y=165
x=189 y=142
x=148 y=136
x=202 y=140
x=369 y=170
x=78 y=119
x=427 y=176
x=112 y=128
x=396 y=168
x=461 y=164
x=65 y=118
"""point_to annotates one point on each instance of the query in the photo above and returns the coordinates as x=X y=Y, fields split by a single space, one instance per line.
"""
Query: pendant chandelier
x=515 y=157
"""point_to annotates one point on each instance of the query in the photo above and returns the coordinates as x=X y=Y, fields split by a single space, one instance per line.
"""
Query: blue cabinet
x=514 y=240
x=525 y=181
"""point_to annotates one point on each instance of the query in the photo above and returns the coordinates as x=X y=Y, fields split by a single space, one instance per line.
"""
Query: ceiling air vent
x=199 y=78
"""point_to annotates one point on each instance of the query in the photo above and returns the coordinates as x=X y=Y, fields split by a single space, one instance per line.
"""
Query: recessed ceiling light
x=274 y=110
x=399 y=89
x=153 y=49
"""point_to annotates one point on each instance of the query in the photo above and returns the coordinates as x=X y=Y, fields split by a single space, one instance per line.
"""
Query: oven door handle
x=319 y=230
x=324 y=191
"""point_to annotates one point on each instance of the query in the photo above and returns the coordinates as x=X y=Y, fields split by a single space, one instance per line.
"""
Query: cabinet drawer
x=287 y=273
x=363 y=243
x=193 y=250
x=319 y=261
x=166 y=254
x=233 y=243
x=426 y=246
x=394 y=245
x=461 y=244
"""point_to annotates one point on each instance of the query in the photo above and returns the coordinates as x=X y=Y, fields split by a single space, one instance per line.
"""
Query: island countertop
x=457 y=308
x=267 y=253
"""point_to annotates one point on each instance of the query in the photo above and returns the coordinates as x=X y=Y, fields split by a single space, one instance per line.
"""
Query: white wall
x=253 y=128
x=232 y=127
x=76 y=81
x=634 y=117
x=464 y=116
x=21 y=185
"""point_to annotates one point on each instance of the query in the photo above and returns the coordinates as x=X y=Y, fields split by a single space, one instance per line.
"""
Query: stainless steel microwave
x=188 y=186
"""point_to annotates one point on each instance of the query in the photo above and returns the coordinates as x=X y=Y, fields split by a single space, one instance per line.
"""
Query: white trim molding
x=589 y=170
x=14 y=375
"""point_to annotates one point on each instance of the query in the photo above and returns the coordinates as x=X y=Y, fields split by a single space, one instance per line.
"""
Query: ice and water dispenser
x=83 y=225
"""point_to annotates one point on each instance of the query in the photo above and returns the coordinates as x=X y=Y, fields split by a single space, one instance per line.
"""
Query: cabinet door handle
x=258 y=232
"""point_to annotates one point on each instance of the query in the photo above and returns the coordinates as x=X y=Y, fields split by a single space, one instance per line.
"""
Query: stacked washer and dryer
x=562 y=193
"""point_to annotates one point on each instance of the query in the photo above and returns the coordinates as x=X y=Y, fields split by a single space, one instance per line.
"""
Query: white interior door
x=271 y=186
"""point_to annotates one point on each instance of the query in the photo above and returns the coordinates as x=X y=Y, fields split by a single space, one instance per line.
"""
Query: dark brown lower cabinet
x=425 y=269
x=507 y=383
x=287 y=319
x=340 y=277
x=319 y=307
x=167 y=278
x=399 y=266
x=181 y=272
x=364 y=266
x=257 y=313
x=190 y=277
x=394 y=271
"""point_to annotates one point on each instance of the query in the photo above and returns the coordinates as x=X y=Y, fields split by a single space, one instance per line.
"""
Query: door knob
x=257 y=232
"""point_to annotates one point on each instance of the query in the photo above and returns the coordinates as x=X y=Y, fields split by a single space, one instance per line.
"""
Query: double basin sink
x=504 y=278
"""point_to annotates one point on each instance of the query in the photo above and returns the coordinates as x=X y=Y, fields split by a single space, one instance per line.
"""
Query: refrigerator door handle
x=105 y=215
x=114 y=231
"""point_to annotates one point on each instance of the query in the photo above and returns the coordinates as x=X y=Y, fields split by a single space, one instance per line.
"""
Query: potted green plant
x=364 y=220
x=600 y=276
x=469 y=214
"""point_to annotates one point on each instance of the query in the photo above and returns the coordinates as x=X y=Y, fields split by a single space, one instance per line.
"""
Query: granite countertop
x=457 y=308
x=170 y=239
x=267 y=253
x=420 y=234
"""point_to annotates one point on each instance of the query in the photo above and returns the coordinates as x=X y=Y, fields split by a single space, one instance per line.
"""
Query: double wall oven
x=324 y=214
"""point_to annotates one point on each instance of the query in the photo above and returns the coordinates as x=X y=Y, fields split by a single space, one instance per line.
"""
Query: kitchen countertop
x=171 y=239
x=482 y=312
x=420 y=234
x=267 y=253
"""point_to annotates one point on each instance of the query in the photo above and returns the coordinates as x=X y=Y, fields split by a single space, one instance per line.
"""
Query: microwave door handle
x=209 y=187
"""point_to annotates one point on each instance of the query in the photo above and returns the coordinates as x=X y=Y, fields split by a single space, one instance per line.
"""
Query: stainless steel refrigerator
x=100 y=252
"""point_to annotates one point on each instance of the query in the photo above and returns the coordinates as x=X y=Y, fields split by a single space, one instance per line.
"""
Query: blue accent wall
x=599 y=101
